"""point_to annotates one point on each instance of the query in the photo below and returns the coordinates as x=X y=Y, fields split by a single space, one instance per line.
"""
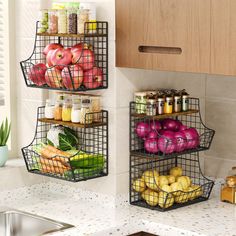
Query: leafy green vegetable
x=62 y=137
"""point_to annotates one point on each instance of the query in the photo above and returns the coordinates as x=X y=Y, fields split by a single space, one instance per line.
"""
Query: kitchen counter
x=101 y=215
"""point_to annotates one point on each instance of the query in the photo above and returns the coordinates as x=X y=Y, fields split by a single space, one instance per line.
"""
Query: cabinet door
x=223 y=37
x=169 y=35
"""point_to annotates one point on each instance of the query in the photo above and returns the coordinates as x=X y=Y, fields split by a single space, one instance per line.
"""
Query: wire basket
x=90 y=61
x=79 y=152
x=162 y=146
x=152 y=187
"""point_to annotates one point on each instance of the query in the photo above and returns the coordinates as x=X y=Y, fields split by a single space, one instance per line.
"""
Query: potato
x=176 y=187
x=166 y=188
x=176 y=171
x=151 y=198
x=149 y=178
x=139 y=185
x=182 y=197
x=165 y=200
x=184 y=181
x=194 y=191
x=171 y=179
x=146 y=193
x=161 y=180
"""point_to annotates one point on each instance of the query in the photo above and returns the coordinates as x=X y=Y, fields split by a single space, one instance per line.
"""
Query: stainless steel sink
x=18 y=223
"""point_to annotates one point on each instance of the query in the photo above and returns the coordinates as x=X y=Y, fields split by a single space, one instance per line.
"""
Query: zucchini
x=88 y=161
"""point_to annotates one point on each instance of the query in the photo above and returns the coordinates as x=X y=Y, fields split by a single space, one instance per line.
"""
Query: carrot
x=52 y=162
x=52 y=169
x=50 y=152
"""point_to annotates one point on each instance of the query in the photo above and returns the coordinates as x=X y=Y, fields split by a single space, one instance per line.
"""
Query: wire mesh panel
x=69 y=151
x=168 y=135
x=69 y=62
x=165 y=184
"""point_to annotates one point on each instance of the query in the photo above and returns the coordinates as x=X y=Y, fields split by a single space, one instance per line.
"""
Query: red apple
x=48 y=58
x=93 y=78
x=82 y=46
x=76 y=76
x=37 y=74
x=51 y=46
x=61 y=57
x=53 y=77
x=83 y=57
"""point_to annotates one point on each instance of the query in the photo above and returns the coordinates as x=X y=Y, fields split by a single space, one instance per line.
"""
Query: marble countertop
x=101 y=215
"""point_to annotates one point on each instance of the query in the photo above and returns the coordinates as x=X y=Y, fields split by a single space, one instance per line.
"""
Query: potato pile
x=164 y=190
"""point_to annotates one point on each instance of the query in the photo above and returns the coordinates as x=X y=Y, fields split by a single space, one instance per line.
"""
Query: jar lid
x=140 y=94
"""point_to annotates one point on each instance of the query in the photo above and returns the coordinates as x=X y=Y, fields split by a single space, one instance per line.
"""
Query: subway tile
x=221 y=87
x=221 y=116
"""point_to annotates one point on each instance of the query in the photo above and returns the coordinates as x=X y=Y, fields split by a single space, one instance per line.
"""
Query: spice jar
x=168 y=107
x=177 y=103
x=86 y=117
x=62 y=21
x=43 y=21
x=72 y=21
x=83 y=16
x=151 y=107
x=160 y=105
x=151 y=94
x=140 y=99
x=66 y=110
x=49 y=109
x=58 y=110
x=52 y=22
x=185 y=102
x=76 y=113
x=96 y=108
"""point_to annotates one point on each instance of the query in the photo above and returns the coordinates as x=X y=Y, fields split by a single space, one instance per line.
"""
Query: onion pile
x=167 y=136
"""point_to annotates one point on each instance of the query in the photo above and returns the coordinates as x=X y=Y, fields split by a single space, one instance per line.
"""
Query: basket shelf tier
x=90 y=63
x=191 y=168
x=191 y=118
x=87 y=159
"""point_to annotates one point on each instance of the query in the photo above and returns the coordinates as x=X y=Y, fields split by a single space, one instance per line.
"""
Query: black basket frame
x=93 y=141
x=98 y=40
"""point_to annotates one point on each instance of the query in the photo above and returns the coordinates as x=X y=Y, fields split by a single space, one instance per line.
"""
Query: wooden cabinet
x=171 y=35
x=223 y=37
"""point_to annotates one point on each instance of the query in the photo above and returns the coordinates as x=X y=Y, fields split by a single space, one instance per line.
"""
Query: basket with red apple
x=69 y=62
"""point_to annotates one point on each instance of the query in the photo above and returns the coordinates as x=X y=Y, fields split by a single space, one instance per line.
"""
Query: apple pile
x=67 y=68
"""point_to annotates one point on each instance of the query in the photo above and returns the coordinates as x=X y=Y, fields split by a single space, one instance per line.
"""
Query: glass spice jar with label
x=140 y=99
x=177 y=103
x=66 y=110
x=49 y=109
x=43 y=21
x=62 y=21
x=52 y=22
x=168 y=107
x=185 y=102
x=151 y=107
x=83 y=16
x=86 y=108
x=160 y=105
x=72 y=21
x=96 y=108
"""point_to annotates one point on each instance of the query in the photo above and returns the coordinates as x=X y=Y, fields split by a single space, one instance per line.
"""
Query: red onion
x=142 y=129
x=181 y=141
x=166 y=143
x=193 y=139
x=152 y=134
x=151 y=145
x=171 y=124
x=155 y=125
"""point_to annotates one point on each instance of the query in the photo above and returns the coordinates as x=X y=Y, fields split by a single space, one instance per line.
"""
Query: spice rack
x=99 y=44
x=89 y=161
x=162 y=162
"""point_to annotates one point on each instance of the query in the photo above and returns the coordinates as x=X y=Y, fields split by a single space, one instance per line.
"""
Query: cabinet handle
x=159 y=49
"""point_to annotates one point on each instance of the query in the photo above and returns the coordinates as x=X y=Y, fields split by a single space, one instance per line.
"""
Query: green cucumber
x=88 y=162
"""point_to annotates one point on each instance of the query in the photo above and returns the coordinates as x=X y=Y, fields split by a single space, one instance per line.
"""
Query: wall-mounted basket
x=79 y=153
x=91 y=74
x=190 y=118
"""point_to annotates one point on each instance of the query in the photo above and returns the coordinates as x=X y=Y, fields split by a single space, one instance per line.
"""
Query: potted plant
x=5 y=129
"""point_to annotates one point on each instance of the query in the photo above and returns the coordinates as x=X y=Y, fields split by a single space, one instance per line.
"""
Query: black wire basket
x=80 y=68
x=159 y=145
x=169 y=183
x=73 y=152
